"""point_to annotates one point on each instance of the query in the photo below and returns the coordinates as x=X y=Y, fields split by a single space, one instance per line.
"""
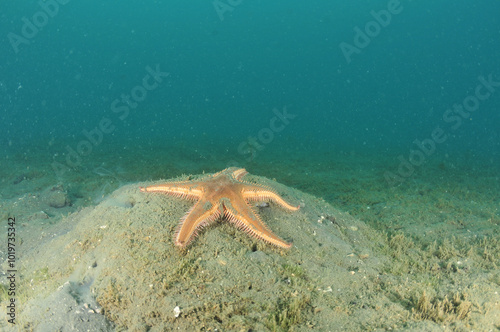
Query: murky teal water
x=383 y=76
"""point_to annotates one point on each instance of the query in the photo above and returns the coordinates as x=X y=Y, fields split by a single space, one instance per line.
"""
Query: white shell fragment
x=177 y=311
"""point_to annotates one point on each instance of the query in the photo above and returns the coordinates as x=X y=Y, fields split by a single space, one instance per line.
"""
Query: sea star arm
x=178 y=189
x=194 y=220
x=255 y=193
x=242 y=215
x=239 y=173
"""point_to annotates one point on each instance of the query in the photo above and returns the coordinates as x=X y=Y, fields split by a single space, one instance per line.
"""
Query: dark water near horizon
x=232 y=66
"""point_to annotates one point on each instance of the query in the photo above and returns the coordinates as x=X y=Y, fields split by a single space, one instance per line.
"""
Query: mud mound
x=118 y=260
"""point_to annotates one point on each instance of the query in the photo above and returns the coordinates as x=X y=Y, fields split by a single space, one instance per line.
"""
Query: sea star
x=224 y=195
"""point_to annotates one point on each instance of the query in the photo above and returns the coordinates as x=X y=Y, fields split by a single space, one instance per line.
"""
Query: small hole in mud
x=131 y=203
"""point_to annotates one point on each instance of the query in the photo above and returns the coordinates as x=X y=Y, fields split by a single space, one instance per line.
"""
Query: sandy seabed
x=102 y=259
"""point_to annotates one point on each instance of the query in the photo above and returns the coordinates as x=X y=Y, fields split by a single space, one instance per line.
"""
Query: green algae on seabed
x=340 y=274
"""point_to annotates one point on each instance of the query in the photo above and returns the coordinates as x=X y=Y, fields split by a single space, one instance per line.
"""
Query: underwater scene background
x=385 y=111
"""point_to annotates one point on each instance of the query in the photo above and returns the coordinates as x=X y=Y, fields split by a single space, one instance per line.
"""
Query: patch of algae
x=4 y=293
x=291 y=308
x=445 y=310
x=442 y=279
